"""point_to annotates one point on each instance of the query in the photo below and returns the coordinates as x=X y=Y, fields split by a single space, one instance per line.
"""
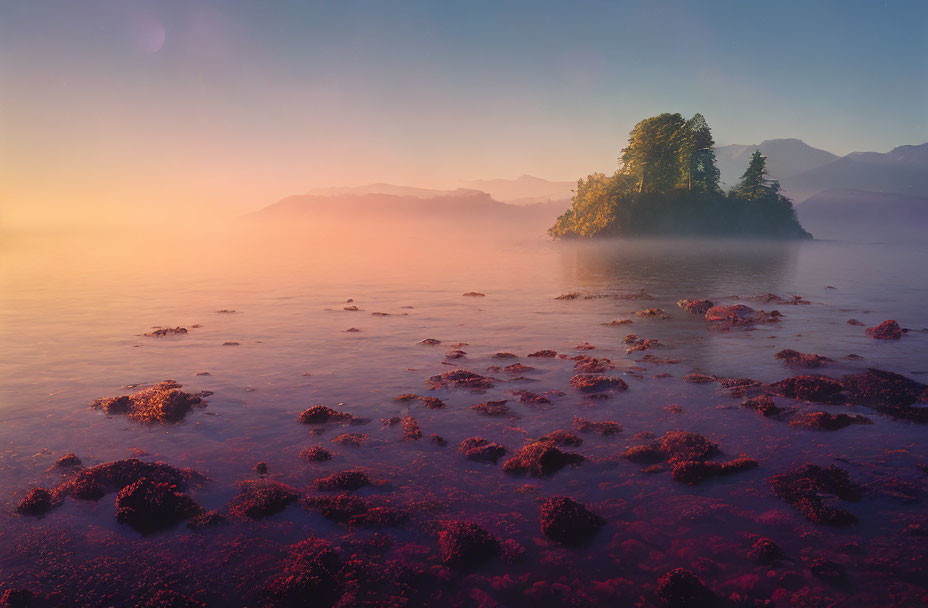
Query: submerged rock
x=474 y=294
x=677 y=445
x=605 y=427
x=797 y=359
x=430 y=342
x=544 y=354
x=311 y=571
x=816 y=389
x=481 y=450
x=766 y=551
x=411 y=428
x=166 y=331
x=148 y=506
x=540 y=458
x=694 y=471
x=38 y=501
x=344 y=480
x=825 y=421
x=680 y=588
x=316 y=454
x=593 y=384
x=68 y=461
x=804 y=486
x=763 y=404
x=568 y=522
x=94 y=482
x=353 y=439
x=259 y=498
x=492 y=408
x=320 y=414
x=887 y=330
x=657 y=313
x=696 y=307
x=573 y=295
x=564 y=438
x=697 y=378
x=738 y=314
x=460 y=378
x=887 y=392
x=206 y=519
x=463 y=545
x=164 y=402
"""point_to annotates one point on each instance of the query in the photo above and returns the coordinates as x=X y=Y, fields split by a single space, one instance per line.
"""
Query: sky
x=148 y=111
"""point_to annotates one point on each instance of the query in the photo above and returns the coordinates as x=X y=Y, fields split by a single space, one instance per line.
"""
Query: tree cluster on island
x=669 y=185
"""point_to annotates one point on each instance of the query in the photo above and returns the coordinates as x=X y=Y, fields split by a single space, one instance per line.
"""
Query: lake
x=72 y=311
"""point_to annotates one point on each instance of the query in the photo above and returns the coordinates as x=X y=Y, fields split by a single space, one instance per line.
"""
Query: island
x=668 y=185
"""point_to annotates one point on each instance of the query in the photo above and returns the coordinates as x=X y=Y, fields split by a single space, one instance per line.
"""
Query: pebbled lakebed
x=397 y=516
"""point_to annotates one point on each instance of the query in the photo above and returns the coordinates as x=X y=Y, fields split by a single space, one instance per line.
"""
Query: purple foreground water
x=72 y=312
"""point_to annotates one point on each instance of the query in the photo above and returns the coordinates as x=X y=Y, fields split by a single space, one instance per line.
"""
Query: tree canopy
x=668 y=183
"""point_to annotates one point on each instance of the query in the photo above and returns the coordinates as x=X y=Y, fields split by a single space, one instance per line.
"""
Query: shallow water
x=72 y=311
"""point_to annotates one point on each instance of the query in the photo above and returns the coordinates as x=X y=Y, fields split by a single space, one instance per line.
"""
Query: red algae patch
x=148 y=506
x=763 y=404
x=544 y=354
x=460 y=378
x=605 y=427
x=166 y=331
x=38 y=501
x=573 y=295
x=804 y=487
x=617 y=323
x=505 y=355
x=344 y=480
x=164 y=402
x=653 y=313
x=887 y=330
x=697 y=378
x=539 y=459
x=737 y=315
x=568 y=522
x=492 y=408
x=481 y=450
x=815 y=389
x=352 y=439
x=518 y=368
x=766 y=551
x=593 y=384
x=316 y=454
x=695 y=307
x=94 y=482
x=825 y=421
x=794 y=358
x=564 y=438
x=311 y=571
x=430 y=342
x=258 y=498
x=411 y=428
x=464 y=545
x=68 y=461
x=473 y=294
x=320 y=414
x=889 y=393
x=694 y=471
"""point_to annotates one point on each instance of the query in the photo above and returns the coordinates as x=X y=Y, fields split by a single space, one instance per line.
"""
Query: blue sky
x=285 y=96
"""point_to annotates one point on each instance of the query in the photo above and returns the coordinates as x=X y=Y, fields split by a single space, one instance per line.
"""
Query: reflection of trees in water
x=681 y=266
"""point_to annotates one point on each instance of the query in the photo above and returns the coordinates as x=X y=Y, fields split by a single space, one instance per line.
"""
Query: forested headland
x=668 y=184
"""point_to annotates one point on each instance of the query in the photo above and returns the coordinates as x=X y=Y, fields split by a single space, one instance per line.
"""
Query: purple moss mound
x=148 y=506
x=94 y=482
x=316 y=454
x=887 y=330
x=320 y=414
x=465 y=546
x=804 y=486
x=826 y=421
x=164 y=402
x=258 y=498
x=694 y=471
x=460 y=378
x=765 y=551
x=481 y=450
x=680 y=588
x=568 y=522
x=37 y=502
x=815 y=389
x=889 y=393
x=310 y=576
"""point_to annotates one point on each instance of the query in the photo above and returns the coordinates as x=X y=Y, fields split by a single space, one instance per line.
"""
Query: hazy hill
x=903 y=170
x=864 y=215
x=785 y=158
x=382 y=188
x=524 y=189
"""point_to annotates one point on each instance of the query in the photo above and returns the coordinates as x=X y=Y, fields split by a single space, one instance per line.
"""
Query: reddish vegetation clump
x=464 y=545
x=166 y=331
x=694 y=471
x=94 y=482
x=481 y=450
x=316 y=454
x=816 y=389
x=889 y=393
x=492 y=408
x=680 y=588
x=696 y=307
x=697 y=378
x=594 y=384
x=19 y=597
x=311 y=571
x=584 y=346
x=653 y=313
x=605 y=427
x=741 y=387
x=148 y=506
x=164 y=402
x=206 y=519
x=460 y=378
x=739 y=314
x=530 y=398
x=430 y=342
x=68 y=461
x=887 y=330
x=825 y=421
x=540 y=458
x=38 y=501
x=677 y=445
x=572 y=295
x=505 y=355
x=455 y=354
x=320 y=414
x=584 y=364
x=803 y=488
x=568 y=522
x=562 y=438
x=344 y=480
x=518 y=368
x=544 y=354
x=766 y=551
x=411 y=428
x=355 y=440
x=474 y=294
x=856 y=323
x=797 y=359
x=763 y=404
x=259 y=498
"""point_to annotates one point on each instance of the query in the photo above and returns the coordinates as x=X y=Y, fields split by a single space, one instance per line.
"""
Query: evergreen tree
x=754 y=183
x=653 y=154
x=702 y=174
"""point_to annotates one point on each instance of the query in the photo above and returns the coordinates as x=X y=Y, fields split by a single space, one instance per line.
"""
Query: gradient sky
x=132 y=108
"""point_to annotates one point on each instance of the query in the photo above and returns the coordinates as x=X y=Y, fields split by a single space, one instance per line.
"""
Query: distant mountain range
x=785 y=158
x=525 y=189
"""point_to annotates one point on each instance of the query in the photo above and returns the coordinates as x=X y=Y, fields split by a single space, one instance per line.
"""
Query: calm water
x=72 y=311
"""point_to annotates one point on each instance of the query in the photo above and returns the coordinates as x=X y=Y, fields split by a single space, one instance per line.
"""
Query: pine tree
x=754 y=183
